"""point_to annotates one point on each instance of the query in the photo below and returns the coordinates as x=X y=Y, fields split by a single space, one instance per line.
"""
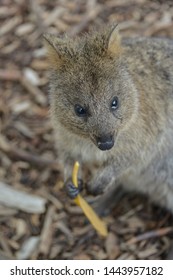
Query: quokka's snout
x=105 y=142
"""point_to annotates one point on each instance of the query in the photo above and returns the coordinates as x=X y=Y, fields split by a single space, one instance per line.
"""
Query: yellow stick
x=88 y=211
x=74 y=174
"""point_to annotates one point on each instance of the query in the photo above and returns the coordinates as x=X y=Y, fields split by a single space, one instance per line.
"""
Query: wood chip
x=20 y=200
x=24 y=29
x=47 y=232
x=21 y=107
x=150 y=234
x=7 y=74
x=28 y=160
x=31 y=76
x=4 y=244
x=36 y=93
x=10 y=25
x=28 y=247
x=54 y=15
x=5 y=211
x=111 y=245
x=63 y=228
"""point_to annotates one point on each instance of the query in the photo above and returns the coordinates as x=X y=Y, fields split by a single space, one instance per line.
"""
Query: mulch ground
x=37 y=220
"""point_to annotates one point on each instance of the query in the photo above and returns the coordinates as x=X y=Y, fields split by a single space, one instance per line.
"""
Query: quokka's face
x=94 y=104
x=92 y=94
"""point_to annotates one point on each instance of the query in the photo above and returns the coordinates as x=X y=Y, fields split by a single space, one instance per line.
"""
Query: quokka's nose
x=105 y=142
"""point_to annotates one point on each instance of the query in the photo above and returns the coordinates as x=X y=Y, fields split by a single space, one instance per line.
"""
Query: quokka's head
x=91 y=92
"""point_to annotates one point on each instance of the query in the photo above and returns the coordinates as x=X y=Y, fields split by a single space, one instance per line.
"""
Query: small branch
x=150 y=234
x=19 y=154
x=28 y=247
x=10 y=75
x=35 y=91
x=16 y=75
x=90 y=15
x=20 y=200
x=47 y=232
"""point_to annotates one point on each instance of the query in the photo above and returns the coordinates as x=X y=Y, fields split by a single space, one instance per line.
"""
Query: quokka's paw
x=98 y=185
x=71 y=190
x=95 y=189
x=106 y=202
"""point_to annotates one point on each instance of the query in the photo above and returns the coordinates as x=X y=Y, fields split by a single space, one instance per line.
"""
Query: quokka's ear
x=53 y=45
x=114 y=42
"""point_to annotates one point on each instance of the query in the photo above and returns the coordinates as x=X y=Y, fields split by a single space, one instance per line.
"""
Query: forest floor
x=37 y=220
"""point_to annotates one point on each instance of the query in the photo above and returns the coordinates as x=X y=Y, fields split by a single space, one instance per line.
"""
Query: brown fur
x=90 y=71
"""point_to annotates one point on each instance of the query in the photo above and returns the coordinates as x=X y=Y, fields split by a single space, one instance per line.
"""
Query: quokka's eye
x=114 y=103
x=80 y=111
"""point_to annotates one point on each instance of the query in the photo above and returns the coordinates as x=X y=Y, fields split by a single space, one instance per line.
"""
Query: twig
x=33 y=159
x=84 y=23
x=21 y=200
x=16 y=75
x=47 y=231
x=16 y=153
x=5 y=256
x=5 y=246
x=11 y=75
x=35 y=91
x=150 y=234
x=10 y=25
x=28 y=248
